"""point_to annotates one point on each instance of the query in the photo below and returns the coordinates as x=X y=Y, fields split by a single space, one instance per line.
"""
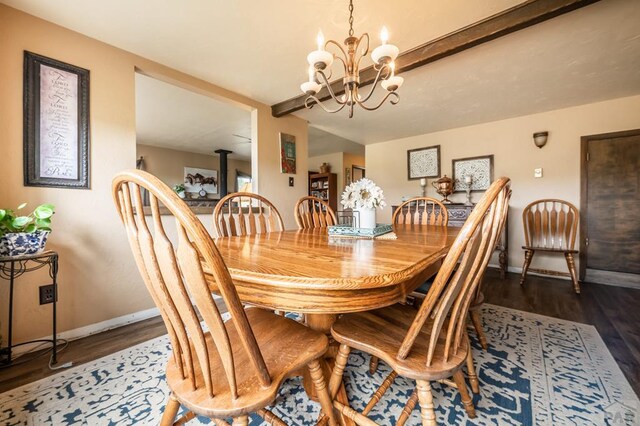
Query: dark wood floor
x=614 y=311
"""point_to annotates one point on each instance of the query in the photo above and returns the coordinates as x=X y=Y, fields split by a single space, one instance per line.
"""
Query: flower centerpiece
x=364 y=197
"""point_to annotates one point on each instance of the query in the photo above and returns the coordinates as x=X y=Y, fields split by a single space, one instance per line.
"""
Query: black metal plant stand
x=12 y=267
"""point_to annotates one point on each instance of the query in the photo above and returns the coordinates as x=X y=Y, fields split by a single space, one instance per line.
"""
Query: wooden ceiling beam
x=506 y=22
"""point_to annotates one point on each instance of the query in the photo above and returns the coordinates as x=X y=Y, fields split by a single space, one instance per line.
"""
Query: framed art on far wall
x=423 y=162
x=287 y=153
x=479 y=168
x=56 y=123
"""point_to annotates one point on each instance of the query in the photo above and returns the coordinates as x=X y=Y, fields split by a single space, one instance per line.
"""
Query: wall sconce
x=540 y=138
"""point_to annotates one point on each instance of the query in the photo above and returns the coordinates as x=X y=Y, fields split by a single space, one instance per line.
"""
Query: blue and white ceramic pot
x=23 y=243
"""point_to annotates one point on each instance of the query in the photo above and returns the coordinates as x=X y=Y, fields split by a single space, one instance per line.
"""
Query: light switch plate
x=291 y=181
x=537 y=173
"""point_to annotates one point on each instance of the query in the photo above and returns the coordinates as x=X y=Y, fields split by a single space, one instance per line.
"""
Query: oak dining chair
x=224 y=368
x=421 y=211
x=244 y=213
x=313 y=212
x=430 y=343
x=417 y=211
x=550 y=226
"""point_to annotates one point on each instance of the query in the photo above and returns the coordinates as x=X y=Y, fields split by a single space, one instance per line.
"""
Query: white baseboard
x=99 y=327
x=88 y=330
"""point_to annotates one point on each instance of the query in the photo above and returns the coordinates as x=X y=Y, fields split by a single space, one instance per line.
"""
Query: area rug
x=538 y=371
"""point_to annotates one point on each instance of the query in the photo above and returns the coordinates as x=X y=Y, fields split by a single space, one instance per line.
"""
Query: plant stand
x=12 y=267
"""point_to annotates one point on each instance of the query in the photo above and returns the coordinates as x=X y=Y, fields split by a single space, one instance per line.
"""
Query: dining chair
x=430 y=343
x=218 y=368
x=421 y=211
x=244 y=213
x=312 y=212
x=417 y=211
x=551 y=226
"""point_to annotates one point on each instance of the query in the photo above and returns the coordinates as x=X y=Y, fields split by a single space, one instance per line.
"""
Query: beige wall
x=98 y=279
x=338 y=161
x=515 y=156
x=168 y=164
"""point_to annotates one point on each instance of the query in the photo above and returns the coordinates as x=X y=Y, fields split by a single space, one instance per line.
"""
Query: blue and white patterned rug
x=538 y=371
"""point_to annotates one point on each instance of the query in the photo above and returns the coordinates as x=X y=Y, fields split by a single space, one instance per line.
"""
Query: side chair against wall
x=418 y=211
x=430 y=344
x=236 y=366
x=312 y=212
x=244 y=213
x=551 y=226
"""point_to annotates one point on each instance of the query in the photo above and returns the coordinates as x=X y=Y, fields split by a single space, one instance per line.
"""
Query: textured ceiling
x=258 y=48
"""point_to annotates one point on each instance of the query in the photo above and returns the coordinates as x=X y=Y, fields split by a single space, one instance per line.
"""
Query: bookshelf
x=325 y=187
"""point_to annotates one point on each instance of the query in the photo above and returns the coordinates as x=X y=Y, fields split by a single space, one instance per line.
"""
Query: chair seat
x=381 y=332
x=554 y=250
x=286 y=346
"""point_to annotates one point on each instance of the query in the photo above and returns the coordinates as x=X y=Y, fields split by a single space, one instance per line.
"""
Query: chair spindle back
x=448 y=300
x=244 y=213
x=550 y=224
x=173 y=274
x=312 y=212
x=421 y=211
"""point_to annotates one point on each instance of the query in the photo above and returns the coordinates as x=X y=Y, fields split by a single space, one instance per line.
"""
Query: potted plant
x=364 y=197
x=179 y=189
x=22 y=235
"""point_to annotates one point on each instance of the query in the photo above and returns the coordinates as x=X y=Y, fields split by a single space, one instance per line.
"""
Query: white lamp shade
x=386 y=52
x=310 y=87
x=320 y=59
x=392 y=83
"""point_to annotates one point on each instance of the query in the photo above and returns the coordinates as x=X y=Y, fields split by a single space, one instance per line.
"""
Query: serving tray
x=349 y=231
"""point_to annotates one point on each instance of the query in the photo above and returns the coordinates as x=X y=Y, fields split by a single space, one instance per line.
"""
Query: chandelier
x=350 y=55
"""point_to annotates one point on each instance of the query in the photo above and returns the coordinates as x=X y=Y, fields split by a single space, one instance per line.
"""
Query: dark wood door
x=610 y=242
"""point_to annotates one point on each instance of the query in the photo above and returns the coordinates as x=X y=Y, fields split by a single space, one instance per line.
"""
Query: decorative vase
x=445 y=187
x=325 y=168
x=366 y=218
x=23 y=243
x=182 y=195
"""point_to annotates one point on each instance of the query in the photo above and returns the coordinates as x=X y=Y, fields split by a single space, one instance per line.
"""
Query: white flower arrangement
x=363 y=194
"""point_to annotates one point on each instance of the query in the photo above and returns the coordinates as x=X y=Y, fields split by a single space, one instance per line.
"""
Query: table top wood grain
x=309 y=271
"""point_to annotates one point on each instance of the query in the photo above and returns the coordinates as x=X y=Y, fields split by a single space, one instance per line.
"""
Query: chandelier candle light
x=363 y=196
x=351 y=54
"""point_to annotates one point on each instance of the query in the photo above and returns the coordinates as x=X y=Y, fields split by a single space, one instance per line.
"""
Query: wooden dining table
x=310 y=272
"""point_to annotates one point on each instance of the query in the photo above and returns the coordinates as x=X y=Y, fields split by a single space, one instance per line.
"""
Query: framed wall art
x=56 y=123
x=479 y=168
x=200 y=181
x=423 y=162
x=287 y=153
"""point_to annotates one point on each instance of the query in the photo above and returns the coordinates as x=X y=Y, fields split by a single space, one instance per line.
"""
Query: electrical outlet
x=47 y=293
x=291 y=181
x=537 y=173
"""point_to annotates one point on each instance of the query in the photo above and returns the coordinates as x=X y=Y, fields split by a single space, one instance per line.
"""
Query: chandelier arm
x=373 y=86
x=317 y=101
x=339 y=47
x=357 y=67
x=393 y=101
x=328 y=85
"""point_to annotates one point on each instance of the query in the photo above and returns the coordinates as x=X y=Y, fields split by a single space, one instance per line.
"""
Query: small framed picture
x=56 y=123
x=347 y=176
x=423 y=162
x=287 y=153
x=478 y=170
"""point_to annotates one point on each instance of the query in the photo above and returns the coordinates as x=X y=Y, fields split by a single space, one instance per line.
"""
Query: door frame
x=584 y=177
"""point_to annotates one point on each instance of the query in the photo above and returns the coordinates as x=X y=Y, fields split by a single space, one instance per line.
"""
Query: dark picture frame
x=287 y=153
x=56 y=123
x=417 y=163
x=482 y=170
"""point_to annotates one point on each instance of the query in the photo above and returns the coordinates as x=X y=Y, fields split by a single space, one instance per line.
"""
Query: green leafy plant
x=178 y=187
x=38 y=220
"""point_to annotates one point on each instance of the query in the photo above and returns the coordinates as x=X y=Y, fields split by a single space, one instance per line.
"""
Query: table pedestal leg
x=323 y=323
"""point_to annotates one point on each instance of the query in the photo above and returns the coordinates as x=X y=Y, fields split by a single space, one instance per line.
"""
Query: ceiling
x=171 y=117
x=258 y=48
x=321 y=143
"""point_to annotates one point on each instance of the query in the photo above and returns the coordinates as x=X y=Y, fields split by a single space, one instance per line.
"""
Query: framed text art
x=287 y=153
x=56 y=123
x=479 y=168
x=423 y=162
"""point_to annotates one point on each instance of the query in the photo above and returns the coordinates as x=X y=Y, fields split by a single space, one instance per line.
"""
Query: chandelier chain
x=350 y=18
